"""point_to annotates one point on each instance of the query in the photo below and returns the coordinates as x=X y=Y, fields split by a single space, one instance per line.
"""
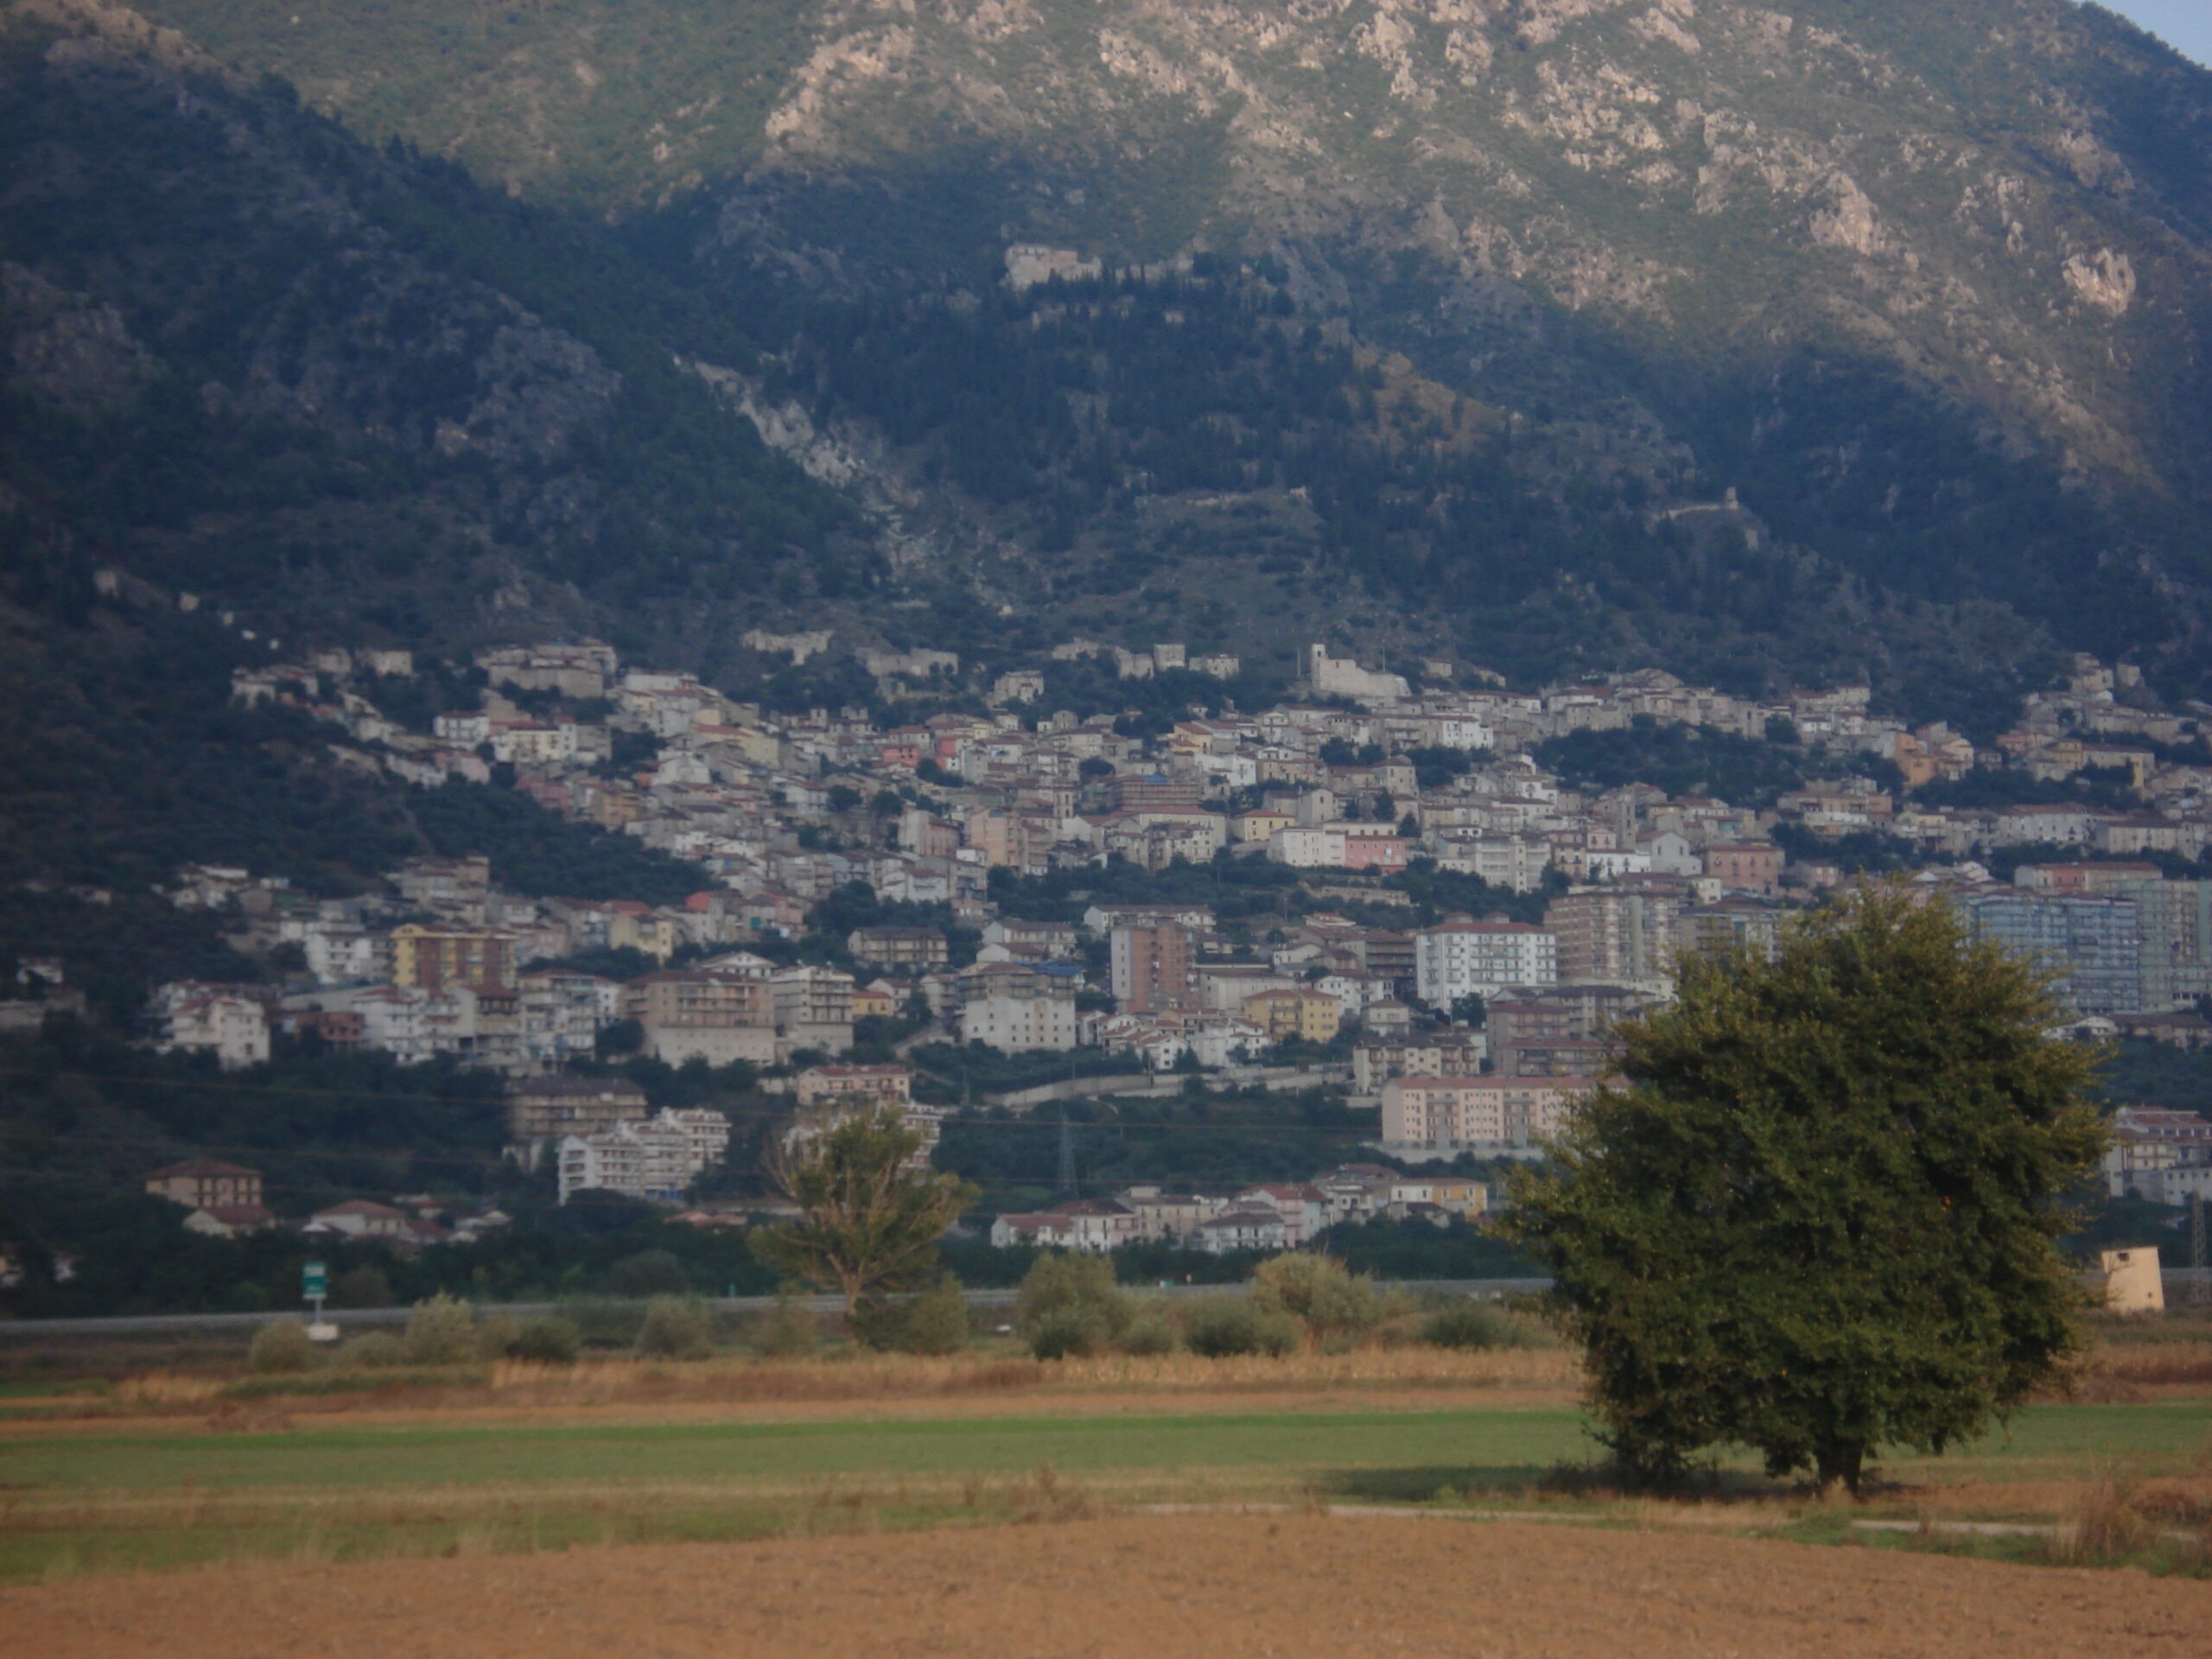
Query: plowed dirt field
x=1146 y=1587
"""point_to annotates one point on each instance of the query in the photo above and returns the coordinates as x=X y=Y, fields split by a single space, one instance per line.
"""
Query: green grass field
x=130 y=1499
x=1488 y=1449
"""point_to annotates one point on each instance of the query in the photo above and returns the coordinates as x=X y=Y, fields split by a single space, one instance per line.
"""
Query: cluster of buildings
x=1269 y=1218
x=604 y=1135
x=1356 y=779
x=224 y=1200
x=443 y=963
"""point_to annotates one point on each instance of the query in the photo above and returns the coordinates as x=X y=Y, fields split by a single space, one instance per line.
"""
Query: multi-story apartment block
x=696 y=1014
x=546 y=1108
x=1154 y=968
x=2174 y=919
x=234 y=1029
x=1313 y=1016
x=435 y=958
x=1464 y=958
x=1731 y=924
x=1339 y=846
x=1517 y=863
x=1017 y=1008
x=814 y=1009
x=829 y=1093
x=820 y=1086
x=205 y=1183
x=653 y=1159
x=2093 y=947
x=920 y=949
x=1620 y=935
x=1452 y=1053
x=1745 y=866
x=1511 y=1114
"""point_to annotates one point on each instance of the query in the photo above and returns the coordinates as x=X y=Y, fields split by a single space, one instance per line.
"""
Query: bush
x=1226 y=1326
x=1149 y=1338
x=279 y=1347
x=603 y=1322
x=1472 y=1325
x=496 y=1334
x=936 y=1322
x=676 y=1327
x=1065 y=1333
x=375 y=1351
x=552 y=1341
x=362 y=1287
x=1071 y=1304
x=786 y=1330
x=441 y=1331
x=878 y=1326
x=1317 y=1293
x=647 y=1274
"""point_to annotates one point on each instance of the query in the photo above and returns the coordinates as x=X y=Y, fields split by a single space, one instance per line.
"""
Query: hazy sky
x=2185 y=24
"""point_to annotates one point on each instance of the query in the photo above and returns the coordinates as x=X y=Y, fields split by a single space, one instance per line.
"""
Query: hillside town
x=1471 y=1033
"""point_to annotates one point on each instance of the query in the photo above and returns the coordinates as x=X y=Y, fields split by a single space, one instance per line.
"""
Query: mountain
x=1554 y=335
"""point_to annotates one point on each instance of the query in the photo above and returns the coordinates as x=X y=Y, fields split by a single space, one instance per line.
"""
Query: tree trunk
x=1845 y=1461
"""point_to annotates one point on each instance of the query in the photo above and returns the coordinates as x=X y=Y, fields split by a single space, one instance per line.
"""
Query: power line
x=220 y=1086
x=343 y=1149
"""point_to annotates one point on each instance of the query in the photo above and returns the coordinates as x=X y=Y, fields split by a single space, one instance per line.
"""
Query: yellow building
x=435 y=958
x=1310 y=1014
x=1260 y=823
x=657 y=936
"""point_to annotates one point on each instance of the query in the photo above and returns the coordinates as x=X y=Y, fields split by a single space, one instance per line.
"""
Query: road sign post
x=314 y=1286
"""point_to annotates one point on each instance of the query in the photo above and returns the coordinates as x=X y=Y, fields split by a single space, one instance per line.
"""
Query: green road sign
x=315 y=1281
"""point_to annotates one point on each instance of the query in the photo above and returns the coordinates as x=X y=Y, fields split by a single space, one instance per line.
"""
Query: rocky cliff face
x=1923 y=283
x=1962 y=190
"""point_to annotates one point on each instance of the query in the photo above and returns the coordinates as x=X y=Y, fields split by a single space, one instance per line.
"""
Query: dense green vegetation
x=1213 y=385
x=267 y=249
x=2141 y=1073
x=1681 y=759
x=1209 y=1140
x=1880 y=1103
x=88 y=1110
x=132 y=1255
x=122 y=757
x=1252 y=891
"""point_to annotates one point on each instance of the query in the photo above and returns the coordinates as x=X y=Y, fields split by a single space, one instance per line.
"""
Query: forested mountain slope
x=1445 y=327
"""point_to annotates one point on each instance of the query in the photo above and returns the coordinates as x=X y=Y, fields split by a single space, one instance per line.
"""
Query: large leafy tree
x=1822 y=1217
x=870 y=1213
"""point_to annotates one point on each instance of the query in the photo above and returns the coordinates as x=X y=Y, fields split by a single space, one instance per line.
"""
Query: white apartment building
x=1460 y=957
x=1254 y=1227
x=654 y=1159
x=1517 y=863
x=1018 y=1024
x=410 y=1023
x=348 y=956
x=1338 y=846
x=234 y=1029
x=1495 y=1114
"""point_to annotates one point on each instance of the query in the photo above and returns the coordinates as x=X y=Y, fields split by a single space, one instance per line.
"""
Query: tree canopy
x=1823 y=1216
x=869 y=1218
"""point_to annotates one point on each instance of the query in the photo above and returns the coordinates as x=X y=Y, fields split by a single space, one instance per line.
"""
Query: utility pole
x=1067 y=1155
x=2200 y=1249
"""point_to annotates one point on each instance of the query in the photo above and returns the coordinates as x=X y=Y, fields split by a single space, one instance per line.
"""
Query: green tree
x=647 y=1274
x=1071 y=1305
x=1316 y=1291
x=1823 y=1216
x=869 y=1219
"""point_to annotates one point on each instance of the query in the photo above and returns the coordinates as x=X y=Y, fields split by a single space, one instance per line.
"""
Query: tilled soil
x=1224 y=1587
